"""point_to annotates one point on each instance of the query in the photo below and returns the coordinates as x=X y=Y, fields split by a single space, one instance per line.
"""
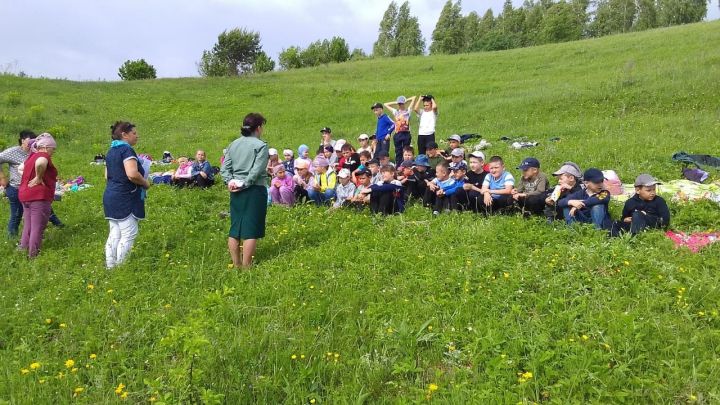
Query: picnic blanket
x=679 y=191
x=694 y=241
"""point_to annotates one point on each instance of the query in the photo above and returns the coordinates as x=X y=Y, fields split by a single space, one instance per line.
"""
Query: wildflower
x=506 y=275
x=74 y=370
x=63 y=325
x=585 y=337
x=167 y=255
x=109 y=291
x=433 y=387
x=90 y=287
x=34 y=366
x=48 y=321
x=429 y=327
x=230 y=266
x=41 y=381
x=627 y=263
x=294 y=356
x=77 y=391
x=120 y=388
x=93 y=356
x=168 y=306
x=24 y=371
x=302 y=356
x=153 y=399
x=312 y=401
x=69 y=363
x=692 y=398
x=124 y=395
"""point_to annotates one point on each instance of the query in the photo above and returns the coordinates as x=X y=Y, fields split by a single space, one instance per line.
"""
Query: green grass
x=377 y=310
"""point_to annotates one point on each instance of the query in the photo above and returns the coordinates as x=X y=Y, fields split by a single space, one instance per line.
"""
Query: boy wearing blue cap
x=589 y=205
x=529 y=196
x=417 y=181
x=402 y=124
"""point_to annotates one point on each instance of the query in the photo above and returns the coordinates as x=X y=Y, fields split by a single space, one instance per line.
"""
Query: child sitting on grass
x=589 y=205
x=433 y=197
x=183 y=175
x=386 y=198
x=416 y=184
x=345 y=189
x=282 y=187
x=497 y=187
x=350 y=159
x=302 y=180
x=529 y=195
x=322 y=187
x=470 y=197
x=289 y=162
x=644 y=210
x=568 y=183
x=361 y=197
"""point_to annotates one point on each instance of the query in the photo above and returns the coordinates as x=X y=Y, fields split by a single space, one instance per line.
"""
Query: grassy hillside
x=349 y=308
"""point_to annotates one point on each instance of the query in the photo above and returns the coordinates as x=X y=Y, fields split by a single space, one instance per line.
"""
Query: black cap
x=376 y=105
x=432 y=145
x=407 y=163
x=329 y=148
x=593 y=175
x=326 y=129
x=364 y=172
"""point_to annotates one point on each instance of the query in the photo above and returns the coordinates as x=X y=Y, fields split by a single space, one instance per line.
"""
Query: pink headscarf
x=43 y=140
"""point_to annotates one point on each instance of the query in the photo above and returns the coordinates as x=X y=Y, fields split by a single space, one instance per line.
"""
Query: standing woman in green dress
x=244 y=172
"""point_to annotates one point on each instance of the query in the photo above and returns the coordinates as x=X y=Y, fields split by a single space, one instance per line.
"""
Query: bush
x=137 y=70
x=37 y=112
x=14 y=98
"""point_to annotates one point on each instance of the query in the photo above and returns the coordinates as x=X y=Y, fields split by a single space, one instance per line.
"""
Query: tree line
x=238 y=51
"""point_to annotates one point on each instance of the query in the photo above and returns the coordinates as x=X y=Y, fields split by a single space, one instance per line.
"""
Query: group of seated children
x=190 y=173
x=444 y=180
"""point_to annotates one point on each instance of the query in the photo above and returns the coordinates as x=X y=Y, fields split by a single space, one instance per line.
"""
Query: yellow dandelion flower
x=506 y=275
x=153 y=399
x=168 y=306
x=63 y=325
x=230 y=266
x=294 y=356
x=527 y=375
x=48 y=321
x=78 y=390
x=692 y=398
x=24 y=371
x=74 y=370
x=337 y=355
x=69 y=363
x=627 y=263
x=312 y=401
x=41 y=381
x=35 y=366
x=93 y=356
x=302 y=356
x=451 y=348
x=120 y=388
x=389 y=330
x=167 y=255
x=109 y=291
x=124 y=395
x=433 y=387
x=585 y=337
x=429 y=327
x=90 y=287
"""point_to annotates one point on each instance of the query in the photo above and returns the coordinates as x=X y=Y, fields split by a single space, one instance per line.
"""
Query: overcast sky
x=90 y=39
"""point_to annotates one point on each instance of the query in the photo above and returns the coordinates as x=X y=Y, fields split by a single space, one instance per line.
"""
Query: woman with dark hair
x=244 y=172
x=37 y=192
x=14 y=157
x=124 y=197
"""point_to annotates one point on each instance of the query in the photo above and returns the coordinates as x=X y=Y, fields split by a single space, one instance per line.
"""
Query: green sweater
x=246 y=160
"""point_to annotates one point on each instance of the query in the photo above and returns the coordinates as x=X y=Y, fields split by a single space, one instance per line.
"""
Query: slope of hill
x=344 y=307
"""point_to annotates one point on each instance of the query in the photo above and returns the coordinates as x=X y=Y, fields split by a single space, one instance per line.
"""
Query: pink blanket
x=695 y=241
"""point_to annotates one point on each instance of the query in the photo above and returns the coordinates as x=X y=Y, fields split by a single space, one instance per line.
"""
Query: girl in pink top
x=282 y=187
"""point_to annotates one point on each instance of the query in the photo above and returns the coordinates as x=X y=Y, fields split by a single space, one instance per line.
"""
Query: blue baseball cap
x=528 y=163
x=422 y=160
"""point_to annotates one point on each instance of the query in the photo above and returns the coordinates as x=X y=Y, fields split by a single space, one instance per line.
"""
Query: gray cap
x=458 y=152
x=570 y=169
x=401 y=100
x=478 y=154
x=646 y=180
x=455 y=138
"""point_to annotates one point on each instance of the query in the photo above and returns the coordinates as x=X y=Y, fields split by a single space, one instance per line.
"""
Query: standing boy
x=402 y=124
x=428 y=118
x=383 y=130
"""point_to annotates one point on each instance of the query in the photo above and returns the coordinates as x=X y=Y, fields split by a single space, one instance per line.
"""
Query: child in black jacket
x=643 y=210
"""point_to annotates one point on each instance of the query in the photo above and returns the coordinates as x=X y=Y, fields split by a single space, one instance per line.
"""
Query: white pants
x=120 y=241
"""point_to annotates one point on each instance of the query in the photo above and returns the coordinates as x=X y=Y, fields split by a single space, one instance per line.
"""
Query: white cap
x=339 y=144
x=272 y=152
x=344 y=173
x=288 y=152
x=363 y=136
x=478 y=154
